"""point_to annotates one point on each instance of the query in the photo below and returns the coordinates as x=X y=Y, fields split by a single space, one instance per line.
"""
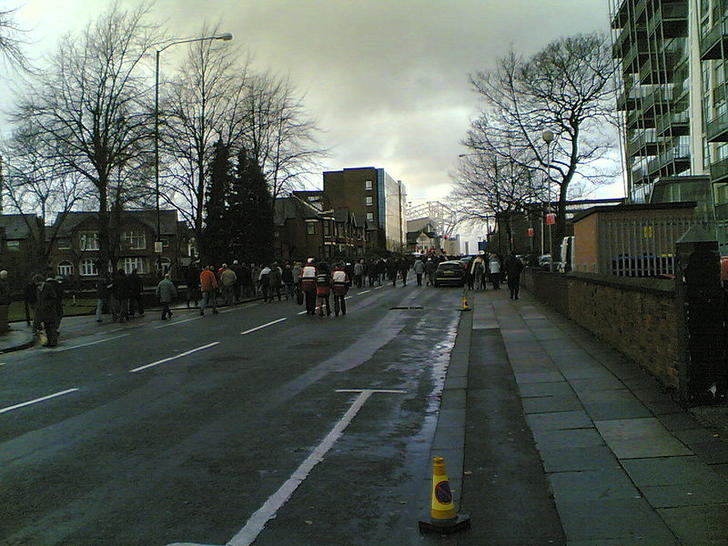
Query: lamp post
x=548 y=138
x=226 y=36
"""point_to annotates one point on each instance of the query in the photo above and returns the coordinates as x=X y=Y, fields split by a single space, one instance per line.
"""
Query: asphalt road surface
x=246 y=426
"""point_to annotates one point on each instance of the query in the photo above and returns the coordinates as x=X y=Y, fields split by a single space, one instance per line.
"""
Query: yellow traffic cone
x=464 y=304
x=443 y=517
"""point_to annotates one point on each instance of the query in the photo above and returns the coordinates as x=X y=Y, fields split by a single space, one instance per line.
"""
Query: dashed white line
x=263 y=326
x=176 y=322
x=302 y=312
x=365 y=292
x=16 y=406
x=158 y=362
x=379 y=287
x=61 y=349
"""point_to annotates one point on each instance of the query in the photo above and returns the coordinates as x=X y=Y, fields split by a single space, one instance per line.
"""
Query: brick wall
x=638 y=317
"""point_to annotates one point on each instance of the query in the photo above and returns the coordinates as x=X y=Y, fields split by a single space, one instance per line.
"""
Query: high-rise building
x=672 y=96
x=372 y=194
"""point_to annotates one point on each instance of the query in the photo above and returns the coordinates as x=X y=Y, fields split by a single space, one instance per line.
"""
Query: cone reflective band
x=442 y=506
x=550 y=219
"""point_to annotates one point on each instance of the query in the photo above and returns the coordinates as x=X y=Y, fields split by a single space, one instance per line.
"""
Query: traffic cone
x=443 y=517
x=464 y=304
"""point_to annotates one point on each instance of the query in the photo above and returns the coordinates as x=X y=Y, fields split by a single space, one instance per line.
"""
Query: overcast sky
x=387 y=80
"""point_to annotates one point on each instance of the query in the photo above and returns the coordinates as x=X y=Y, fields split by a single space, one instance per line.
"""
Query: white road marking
x=379 y=287
x=176 y=322
x=16 y=406
x=60 y=350
x=388 y=391
x=302 y=312
x=365 y=292
x=158 y=362
x=263 y=326
x=265 y=513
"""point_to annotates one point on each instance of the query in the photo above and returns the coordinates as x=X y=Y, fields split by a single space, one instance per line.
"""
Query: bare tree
x=36 y=184
x=11 y=41
x=203 y=104
x=281 y=136
x=90 y=106
x=567 y=89
x=490 y=191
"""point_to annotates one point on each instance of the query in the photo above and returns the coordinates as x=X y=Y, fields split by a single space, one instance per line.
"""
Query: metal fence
x=640 y=248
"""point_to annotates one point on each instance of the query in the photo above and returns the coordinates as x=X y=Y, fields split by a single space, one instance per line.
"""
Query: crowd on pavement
x=311 y=282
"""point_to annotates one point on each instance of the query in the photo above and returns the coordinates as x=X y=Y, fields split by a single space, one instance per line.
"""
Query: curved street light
x=225 y=36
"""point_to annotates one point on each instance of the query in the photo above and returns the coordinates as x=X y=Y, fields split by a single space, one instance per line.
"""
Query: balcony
x=716 y=130
x=719 y=170
x=628 y=101
x=714 y=43
x=674 y=161
x=636 y=55
x=673 y=124
x=672 y=18
x=622 y=15
x=658 y=102
x=660 y=67
x=642 y=145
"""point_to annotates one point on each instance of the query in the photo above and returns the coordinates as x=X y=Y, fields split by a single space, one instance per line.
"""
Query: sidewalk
x=565 y=441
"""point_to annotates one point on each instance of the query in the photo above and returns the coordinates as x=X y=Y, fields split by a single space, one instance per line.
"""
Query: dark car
x=451 y=272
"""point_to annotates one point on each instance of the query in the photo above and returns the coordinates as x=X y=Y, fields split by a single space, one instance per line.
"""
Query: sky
x=386 y=80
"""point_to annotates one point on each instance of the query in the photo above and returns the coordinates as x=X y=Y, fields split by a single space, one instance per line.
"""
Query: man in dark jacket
x=192 y=280
x=120 y=296
x=49 y=308
x=136 y=289
x=103 y=286
x=513 y=267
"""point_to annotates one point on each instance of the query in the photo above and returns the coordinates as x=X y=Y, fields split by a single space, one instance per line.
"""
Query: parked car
x=450 y=272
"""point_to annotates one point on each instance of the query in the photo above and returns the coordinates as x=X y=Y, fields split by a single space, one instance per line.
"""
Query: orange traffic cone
x=464 y=304
x=443 y=518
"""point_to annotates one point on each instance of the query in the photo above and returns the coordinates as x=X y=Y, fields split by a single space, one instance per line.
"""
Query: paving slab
x=602 y=411
x=560 y=388
x=547 y=404
x=559 y=420
x=698 y=525
x=592 y=485
x=575 y=459
x=540 y=377
x=661 y=471
x=567 y=438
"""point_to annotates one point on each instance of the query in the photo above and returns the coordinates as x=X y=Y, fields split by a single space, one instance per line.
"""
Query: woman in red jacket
x=323 y=289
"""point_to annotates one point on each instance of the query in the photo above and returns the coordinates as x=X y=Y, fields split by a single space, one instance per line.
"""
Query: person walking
x=192 y=280
x=136 y=291
x=120 y=296
x=49 y=308
x=513 y=268
x=392 y=268
x=323 y=290
x=237 y=287
x=494 y=266
x=430 y=268
x=264 y=283
x=419 y=269
x=276 y=281
x=246 y=281
x=166 y=292
x=358 y=272
x=287 y=278
x=30 y=297
x=404 y=267
x=228 y=279
x=208 y=285
x=103 y=291
x=477 y=273
x=308 y=285
x=339 y=286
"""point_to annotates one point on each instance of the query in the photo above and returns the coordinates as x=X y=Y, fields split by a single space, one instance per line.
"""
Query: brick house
x=75 y=251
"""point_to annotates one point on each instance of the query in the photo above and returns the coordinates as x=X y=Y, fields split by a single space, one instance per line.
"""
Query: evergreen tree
x=216 y=235
x=251 y=212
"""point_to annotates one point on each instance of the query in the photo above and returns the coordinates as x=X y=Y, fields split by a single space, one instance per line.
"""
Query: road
x=247 y=426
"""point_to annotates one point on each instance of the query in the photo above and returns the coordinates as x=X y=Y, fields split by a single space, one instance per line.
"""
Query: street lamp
x=225 y=36
x=548 y=138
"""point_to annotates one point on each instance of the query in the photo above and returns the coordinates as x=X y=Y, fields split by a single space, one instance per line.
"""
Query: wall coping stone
x=663 y=287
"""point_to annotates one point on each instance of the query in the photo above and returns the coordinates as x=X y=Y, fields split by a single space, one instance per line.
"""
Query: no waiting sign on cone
x=443 y=517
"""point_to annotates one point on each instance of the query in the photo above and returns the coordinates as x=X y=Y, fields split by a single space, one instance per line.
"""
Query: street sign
x=158 y=247
x=550 y=219
x=531 y=232
x=482 y=245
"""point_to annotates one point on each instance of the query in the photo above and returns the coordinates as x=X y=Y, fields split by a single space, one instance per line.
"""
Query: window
x=89 y=240
x=12 y=245
x=370 y=216
x=88 y=268
x=310 y=228
x=65 y=269
x=64 y=244
x=327 y=229
x=130 y=263
x=369 y=201
x=367 y=184
x=134 y=240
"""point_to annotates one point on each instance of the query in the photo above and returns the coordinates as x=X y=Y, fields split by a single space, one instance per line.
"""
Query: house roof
x=167 y=220
x=16 y=225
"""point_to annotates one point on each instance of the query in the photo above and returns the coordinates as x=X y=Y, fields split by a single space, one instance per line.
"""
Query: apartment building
x=375 y=196
x=671 y=56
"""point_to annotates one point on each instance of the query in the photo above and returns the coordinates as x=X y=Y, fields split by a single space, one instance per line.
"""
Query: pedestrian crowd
x=494 y=269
